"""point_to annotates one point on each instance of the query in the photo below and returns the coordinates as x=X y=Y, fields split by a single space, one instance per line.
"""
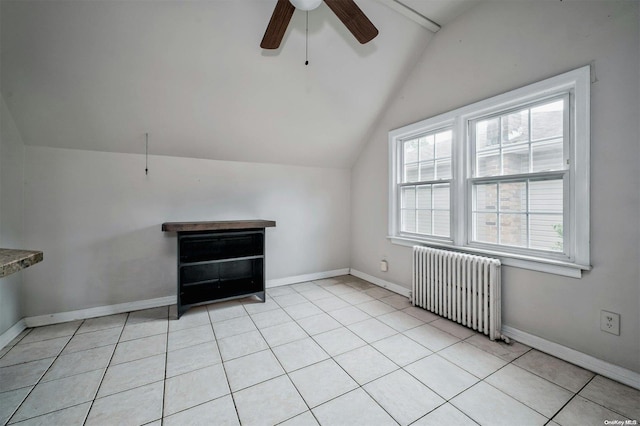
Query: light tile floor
x=338 y=351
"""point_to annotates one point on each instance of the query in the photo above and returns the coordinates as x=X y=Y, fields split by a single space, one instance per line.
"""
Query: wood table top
x=220 y=225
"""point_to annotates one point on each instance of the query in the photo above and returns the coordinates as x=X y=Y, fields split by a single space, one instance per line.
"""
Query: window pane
x=426 y=148
x=486 y=196
x=546 y=232
x=547 y=155
x=411 y=172
x=424 y=197
x=424 y=222
x=515 y=127
x=547 y=120
x=488 y=163
x=443 y=144
x=513 y=196
x=515 y=160
x=441 y=196
x=408 y=221
x=427 y=170
x=513 y=229
x=408 y=200
x=443 y=169
x=485 y=228
x=546 y=196
x=441 y=223
x=410 y=151
x=487 y=133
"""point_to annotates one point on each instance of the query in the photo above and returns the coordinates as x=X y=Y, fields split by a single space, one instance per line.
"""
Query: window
x=507 y=176
x=425 y=185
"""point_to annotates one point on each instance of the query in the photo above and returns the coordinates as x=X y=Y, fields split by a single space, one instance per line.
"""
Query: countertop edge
x=13 y=260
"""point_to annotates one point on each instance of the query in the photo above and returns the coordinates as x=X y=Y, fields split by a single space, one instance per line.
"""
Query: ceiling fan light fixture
x=306 y=4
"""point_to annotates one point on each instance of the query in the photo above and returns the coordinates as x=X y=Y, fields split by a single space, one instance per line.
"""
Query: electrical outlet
x=384 y=266
x=610 y=322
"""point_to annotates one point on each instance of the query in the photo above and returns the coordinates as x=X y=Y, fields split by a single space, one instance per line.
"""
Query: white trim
x=12 y=333
x=555 y=267
x=307 y=277
x=416 y=17
x=604 y=368
x=573 y=85
x=403 y=291
x=98 y=311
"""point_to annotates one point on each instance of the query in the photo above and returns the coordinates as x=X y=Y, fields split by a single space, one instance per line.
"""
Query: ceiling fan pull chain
x=306 y=42
x=146 y=154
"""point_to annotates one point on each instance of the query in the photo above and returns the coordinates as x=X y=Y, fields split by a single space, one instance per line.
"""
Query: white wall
x=497 y=47
x=11 y=224
x=98 y=219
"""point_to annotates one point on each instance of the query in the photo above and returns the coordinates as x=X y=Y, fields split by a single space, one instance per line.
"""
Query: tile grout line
x=43 y=374
x=572 y=398
x=401 y=367
x=166 y=362
x=544 y=378
x=95 y=396
x=226 y=376
x=312 y=337
x=593 y=402
x=370 y=344
x=278 y=360
x=331 y=357
x=39 y=381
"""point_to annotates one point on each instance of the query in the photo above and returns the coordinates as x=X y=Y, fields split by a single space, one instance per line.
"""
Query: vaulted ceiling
x=98 y=75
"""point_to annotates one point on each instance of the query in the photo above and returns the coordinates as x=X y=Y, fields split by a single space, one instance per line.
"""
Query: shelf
x=219 y=260
x=220 y=246
x=191 y=295
x=220 y=271
x=205 y=262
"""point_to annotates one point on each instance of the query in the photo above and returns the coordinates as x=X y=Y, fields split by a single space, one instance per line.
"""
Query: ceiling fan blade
x=277 y=25
x=354 y=19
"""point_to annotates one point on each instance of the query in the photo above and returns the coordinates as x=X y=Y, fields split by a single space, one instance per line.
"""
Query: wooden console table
x=220 y=260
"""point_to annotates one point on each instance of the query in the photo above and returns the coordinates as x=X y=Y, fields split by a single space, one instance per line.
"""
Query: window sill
x=555 y=267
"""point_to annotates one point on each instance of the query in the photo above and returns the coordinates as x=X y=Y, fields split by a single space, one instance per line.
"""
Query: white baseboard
x=604 y=368
x=12 y=333
x=307 y=277
x=99 y=311
x=382 y=283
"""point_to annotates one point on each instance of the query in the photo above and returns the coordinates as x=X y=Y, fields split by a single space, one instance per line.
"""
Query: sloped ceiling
x=98 y=75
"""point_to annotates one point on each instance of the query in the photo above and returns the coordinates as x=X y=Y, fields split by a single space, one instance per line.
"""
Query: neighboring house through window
x=506 y=177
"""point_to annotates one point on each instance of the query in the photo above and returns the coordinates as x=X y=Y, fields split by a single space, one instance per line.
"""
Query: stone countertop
x=12 y=261
x=217 y=225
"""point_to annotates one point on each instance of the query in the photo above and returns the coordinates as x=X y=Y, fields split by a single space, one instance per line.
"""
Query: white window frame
x=400 y=183
x=575 y=84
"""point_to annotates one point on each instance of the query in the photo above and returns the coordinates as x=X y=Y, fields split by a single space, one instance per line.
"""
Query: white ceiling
x=97 y=75
x=440 y=11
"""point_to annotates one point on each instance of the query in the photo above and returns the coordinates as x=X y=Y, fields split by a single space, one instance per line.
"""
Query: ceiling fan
x=346 y=10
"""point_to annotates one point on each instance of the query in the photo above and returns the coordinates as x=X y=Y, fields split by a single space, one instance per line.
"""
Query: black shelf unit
x=220 y=265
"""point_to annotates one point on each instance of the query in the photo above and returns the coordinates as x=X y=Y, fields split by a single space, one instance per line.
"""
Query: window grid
x=546 y=137
x=503 y=131
x=500 y=212
x=436 y=182
x=530 y=142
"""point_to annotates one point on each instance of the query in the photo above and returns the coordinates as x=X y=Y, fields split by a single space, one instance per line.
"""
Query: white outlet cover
x=610 y=322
